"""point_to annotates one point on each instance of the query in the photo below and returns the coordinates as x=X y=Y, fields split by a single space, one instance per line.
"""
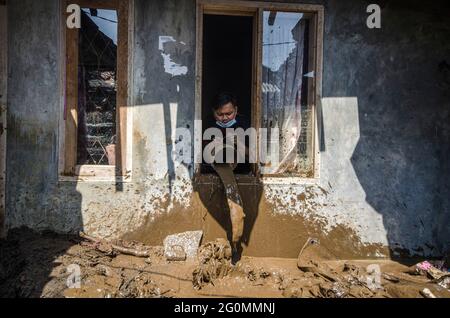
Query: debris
x=140 y=286
x=108 y=248
x=427 y=268
x=255 y=276
x=427 y=293
x=37 y=265
x=390 y=278
x=189 y=241
x=103 y=270
x=333 y=290
x=444 y=282
x=440 y=265
x=175 y=253
x=322 y=271
x=215 y=262
x=305 y=262
x=424 y=266
x=302 y=288
x=309 y=241
x=435 y=273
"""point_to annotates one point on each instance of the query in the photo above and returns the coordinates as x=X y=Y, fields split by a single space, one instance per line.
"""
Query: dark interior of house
x=227 y=65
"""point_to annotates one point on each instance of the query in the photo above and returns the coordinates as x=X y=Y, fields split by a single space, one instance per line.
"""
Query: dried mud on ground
x=40 y=265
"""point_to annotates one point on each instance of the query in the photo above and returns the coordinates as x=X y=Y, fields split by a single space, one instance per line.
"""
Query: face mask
x=226 y=125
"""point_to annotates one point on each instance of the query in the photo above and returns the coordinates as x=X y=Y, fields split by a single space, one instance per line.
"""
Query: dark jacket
x=241 y=122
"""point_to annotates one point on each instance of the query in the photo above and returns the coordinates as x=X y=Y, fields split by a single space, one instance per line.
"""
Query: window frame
x=69 y=169
x=256 y=9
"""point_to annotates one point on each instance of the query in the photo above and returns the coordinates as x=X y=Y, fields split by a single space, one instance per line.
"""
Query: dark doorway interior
x=227 y=63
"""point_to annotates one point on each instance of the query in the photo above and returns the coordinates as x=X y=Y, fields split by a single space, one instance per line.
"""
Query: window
x=95 y=112
x=286 y=106
x=285 y=81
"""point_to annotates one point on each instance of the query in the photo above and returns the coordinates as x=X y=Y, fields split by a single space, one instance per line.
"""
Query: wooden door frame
x=216 y=8
x=3 y=107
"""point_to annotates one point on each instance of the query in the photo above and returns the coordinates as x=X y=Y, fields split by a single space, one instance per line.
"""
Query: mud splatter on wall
x=382 y=155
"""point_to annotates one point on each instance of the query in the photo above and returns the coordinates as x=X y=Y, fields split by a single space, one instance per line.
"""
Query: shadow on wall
x=34 y=196
x=399 y=76
x=41 y=202
x=212 y=195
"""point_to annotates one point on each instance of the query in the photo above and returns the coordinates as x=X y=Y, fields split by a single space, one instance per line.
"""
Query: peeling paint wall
x=384 y=144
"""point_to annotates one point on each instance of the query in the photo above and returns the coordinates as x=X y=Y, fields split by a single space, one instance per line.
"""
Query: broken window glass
x=97 y=87
x=285 y=107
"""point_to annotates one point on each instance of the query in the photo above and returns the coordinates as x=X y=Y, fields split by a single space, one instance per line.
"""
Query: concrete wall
x=384 y=185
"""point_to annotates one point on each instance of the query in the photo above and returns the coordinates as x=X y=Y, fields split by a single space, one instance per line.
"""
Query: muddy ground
x=40 y=265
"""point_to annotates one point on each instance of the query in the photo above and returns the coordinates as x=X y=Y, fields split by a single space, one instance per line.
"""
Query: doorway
x=227 y=66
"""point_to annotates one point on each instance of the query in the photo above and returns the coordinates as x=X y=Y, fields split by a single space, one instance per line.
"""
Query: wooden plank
x=311 y=95
x=257 y=64
x=228 y=11
x=95 y=173
x=127 y=165
x=198 y=81
x=254 y=5
x=97 y=4
x=94 y=170
x=71 y=100
x=122 y=88
x=3 y=103
x=318 y=89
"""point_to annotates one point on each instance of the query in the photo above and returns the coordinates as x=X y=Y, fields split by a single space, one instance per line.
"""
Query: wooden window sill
x=96 y=173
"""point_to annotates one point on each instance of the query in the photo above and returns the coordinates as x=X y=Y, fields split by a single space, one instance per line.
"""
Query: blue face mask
x=226 y=125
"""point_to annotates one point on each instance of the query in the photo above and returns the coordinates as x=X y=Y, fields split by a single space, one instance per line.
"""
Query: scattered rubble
x=427 y=293
x=437 y=273
x=175 y=253
x=108 y=247
x=42 y=265
x=214 y=262
x=182 y=245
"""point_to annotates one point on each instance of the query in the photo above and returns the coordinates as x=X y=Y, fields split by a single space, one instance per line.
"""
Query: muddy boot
x=237 y=215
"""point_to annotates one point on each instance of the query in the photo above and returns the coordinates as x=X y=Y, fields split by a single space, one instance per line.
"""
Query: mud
x=214 y=263
x=209 y=212
x=37 y=265
x=235 y=206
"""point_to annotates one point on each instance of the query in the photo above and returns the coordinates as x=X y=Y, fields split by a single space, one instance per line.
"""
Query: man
x=225 y=112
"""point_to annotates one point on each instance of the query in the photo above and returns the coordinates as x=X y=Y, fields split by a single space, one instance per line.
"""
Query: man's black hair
x=223 y=99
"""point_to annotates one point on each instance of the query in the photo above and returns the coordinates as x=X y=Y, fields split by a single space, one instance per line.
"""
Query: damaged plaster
x=170 y=67
x=382 y=174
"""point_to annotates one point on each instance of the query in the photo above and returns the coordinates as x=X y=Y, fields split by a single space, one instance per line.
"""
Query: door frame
x=224 y=8
x=3 y=107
